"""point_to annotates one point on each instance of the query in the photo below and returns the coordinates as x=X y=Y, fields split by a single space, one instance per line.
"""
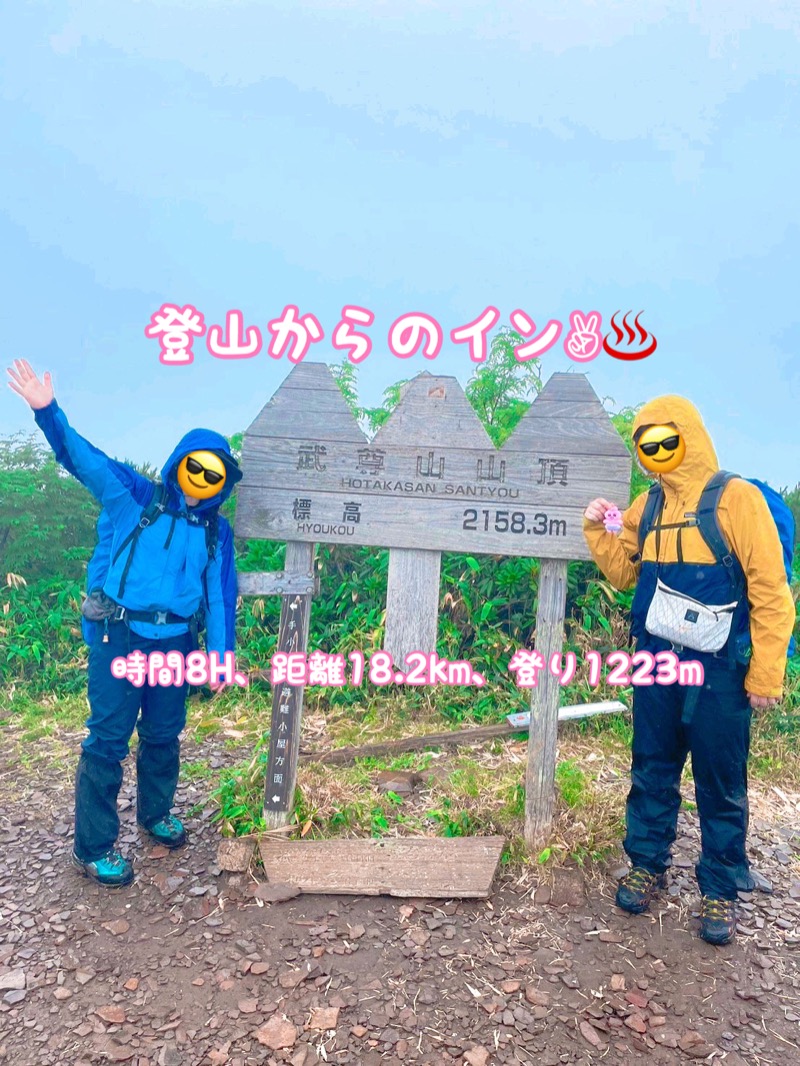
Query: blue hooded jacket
x=171 y=568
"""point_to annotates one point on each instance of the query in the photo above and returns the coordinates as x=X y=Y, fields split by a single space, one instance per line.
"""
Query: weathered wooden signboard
x=430 y=478
x=429 y=481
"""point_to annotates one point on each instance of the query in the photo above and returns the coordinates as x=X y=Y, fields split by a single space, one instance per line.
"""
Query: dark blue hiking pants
x=116 y=705
x=717 y=735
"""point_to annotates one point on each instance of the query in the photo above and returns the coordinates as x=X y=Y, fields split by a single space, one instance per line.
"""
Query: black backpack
x=704 y=518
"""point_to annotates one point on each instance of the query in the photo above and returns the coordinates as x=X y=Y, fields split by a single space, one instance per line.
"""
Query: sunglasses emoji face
x=201 y=474
x=661 y=449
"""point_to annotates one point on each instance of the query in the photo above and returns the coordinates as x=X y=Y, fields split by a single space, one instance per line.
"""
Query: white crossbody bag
x=682 y=620
x=687 y=622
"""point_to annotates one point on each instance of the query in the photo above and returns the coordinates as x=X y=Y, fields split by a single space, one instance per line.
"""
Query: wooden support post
x=412 y=602
x=540 y=773
x=287 y=700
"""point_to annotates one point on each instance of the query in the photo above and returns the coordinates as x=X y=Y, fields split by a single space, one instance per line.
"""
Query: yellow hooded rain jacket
x=746 y=524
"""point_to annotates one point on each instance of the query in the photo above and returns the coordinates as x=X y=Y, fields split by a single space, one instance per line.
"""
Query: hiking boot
x=636 y=890
x=112 y=869
x=717 y=920
x=168 y=831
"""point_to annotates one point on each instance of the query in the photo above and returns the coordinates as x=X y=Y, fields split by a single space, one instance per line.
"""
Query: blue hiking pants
x=117 y=708
x=716 y=733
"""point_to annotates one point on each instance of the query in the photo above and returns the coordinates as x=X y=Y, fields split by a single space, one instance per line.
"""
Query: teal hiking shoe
x=112 y=869
x=168 y=831
x=717 y=920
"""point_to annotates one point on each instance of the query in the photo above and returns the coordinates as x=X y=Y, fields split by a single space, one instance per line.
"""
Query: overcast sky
x=404 y=156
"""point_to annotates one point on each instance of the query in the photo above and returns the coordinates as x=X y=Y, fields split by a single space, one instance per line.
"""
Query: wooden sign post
x=429 y=481
x=287 y=700
x=542 y=736
x=294 y=408
x=567 y=419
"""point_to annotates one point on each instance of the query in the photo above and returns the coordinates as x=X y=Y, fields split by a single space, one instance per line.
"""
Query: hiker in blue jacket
x=151 y=583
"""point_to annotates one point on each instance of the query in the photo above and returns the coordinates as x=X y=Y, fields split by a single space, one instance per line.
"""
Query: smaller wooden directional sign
x=430 y=478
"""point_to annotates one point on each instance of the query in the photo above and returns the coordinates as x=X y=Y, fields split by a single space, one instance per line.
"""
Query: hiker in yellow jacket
x=677 y=576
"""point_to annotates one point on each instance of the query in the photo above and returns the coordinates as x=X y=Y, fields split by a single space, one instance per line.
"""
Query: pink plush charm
x=612 y=520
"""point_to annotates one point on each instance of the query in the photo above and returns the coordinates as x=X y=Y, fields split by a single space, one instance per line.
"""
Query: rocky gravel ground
x=191 y=965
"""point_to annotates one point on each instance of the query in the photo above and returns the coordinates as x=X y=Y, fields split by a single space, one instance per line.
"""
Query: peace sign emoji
x=584 y=340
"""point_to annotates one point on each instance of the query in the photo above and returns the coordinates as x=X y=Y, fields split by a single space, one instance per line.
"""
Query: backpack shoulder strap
x=210 y=524
x=212 y=535
x=711 y=531
x=212 y=539
x=707 y=520
x=651 y=511
x=154 y=509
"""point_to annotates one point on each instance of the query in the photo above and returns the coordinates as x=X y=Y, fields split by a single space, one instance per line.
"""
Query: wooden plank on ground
x=235 y=854
x=411 y=867
x=454 y=737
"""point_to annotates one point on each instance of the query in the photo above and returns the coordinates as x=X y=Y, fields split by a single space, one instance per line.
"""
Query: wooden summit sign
x=429 y=481
x=430 y=478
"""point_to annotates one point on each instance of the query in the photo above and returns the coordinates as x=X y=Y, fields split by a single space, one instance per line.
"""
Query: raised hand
x=37 y=394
